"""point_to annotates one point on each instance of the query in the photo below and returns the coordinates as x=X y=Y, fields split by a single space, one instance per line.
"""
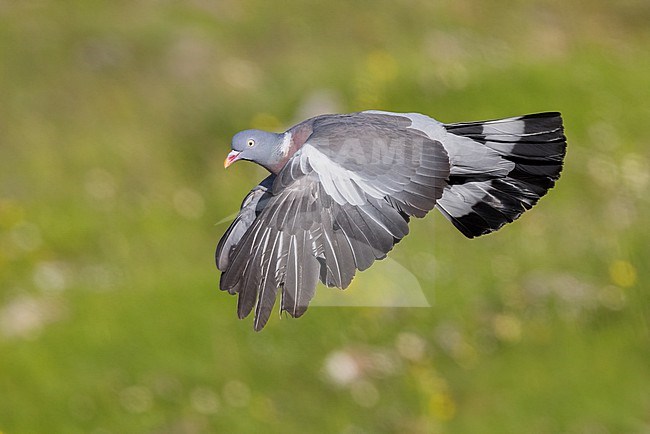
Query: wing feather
x=269 y=287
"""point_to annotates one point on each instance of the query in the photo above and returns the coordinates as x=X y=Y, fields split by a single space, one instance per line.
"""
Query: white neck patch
x=286 y=144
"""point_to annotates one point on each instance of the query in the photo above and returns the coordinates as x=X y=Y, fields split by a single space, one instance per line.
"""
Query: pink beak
x=231 y=158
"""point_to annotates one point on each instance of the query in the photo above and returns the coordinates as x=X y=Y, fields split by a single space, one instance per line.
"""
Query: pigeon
x=343 y=187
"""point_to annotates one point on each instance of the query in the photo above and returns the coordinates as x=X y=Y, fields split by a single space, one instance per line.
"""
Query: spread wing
x=341 y=202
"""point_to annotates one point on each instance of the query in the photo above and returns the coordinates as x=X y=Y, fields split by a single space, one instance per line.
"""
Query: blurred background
x=115 y=118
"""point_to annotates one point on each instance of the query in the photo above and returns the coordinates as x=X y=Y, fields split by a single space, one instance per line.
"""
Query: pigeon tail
x=500 y=168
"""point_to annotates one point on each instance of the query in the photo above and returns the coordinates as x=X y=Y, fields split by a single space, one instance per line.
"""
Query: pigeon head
x=258 y=146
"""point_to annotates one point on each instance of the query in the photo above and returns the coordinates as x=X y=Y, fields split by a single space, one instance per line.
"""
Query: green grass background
x=115 y=118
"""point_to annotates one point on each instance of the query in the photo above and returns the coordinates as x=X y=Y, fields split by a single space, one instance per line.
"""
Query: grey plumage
x=343 y=188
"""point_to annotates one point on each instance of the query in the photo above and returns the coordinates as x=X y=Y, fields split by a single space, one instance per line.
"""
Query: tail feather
x=481 y=200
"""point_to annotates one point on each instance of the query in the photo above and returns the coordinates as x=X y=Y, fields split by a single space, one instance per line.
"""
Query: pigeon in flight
x=343 y=187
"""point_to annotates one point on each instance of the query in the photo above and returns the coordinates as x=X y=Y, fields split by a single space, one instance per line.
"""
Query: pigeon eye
x=250 y=142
